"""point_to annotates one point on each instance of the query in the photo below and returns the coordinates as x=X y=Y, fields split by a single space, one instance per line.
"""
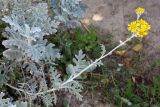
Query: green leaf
x=65 y=103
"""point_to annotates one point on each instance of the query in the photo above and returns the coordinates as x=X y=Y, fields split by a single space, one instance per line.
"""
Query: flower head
x=140 y=10
x=139 y=27
x=133 y=26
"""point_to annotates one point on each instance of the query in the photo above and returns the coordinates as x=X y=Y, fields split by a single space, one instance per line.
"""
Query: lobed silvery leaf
x=55 y=78
x=33 y=32
x=35 y=52
x=103 y=50
x=21 y=104
x=13 y=54
x=80 y=63
x=24 y=30
x=17 y=43
x=29 y=41
x=32 y=68
x=36 y=16
x=13 y=21
x=68 y=12
x=27 y=31
x=6 y=102
x=74 y=8
x=51 y=53
x=47 y=98
x=41 y=19
x=74 y=88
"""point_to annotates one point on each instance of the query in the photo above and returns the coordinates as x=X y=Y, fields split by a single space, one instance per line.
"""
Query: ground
x=116 y=14
x=112 y=17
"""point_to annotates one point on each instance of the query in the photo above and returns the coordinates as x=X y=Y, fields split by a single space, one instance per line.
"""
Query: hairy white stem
x=77 y=75
x=17 y=89
x=92 y=64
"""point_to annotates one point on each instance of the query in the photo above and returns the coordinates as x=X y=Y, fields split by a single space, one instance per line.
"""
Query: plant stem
x=92 y=64
x=77 y=75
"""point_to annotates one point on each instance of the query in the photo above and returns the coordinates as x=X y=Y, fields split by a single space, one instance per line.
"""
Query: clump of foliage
x=72 y=41
x=68 y=12
x=136 y=94
x=29 y=64
x=5 y=102
x=87 y=41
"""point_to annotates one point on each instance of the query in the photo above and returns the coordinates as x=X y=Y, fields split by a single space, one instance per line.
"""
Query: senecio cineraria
x=28 y=51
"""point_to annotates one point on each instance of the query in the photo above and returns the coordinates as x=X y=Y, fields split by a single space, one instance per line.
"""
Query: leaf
x=86 y=22
x=127 y=101
x=127 y=61
x=84 y=75
x=68 y=12
x=65 y=103
x=97 y=17
x=27 y=41
x=6 y=102
x=103 y=49
x=80 y=63
x=47 y=98
x=34 y=13
x=19 y=43
x=120 y=52
x=13 y=54
x=35 y=52
x=104 y=79
x=129 y=89
x=55 y=78
x=51 y=53
x=21 y=104
x=137 y=47
x=74 y=88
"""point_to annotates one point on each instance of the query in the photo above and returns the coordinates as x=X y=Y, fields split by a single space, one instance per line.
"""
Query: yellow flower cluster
x=140 y=27
x=140 y=10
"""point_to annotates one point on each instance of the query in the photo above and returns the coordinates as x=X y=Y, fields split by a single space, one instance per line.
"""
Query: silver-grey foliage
x=26 y=34
x=80 y=63
x=27 y=47
x=4 y=7
x=6 y=102
x=68 y=12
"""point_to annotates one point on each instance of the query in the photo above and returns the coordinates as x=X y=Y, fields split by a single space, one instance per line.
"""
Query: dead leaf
x=86 y=21
x=97 y=17
x=133 y=79
x=127 y=61
x=137 y=47
x=120 y=52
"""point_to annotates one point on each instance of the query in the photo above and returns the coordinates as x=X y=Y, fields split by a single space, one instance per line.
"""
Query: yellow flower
x=133 y=26
x=142 y=34
x=144 y=25
x=140 y=10
x=139 y=27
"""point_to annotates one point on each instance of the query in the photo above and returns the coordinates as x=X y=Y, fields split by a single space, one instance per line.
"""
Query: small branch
x=17 y=89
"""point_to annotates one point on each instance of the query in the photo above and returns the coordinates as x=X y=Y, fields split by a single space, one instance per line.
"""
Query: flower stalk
x=77 y=75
